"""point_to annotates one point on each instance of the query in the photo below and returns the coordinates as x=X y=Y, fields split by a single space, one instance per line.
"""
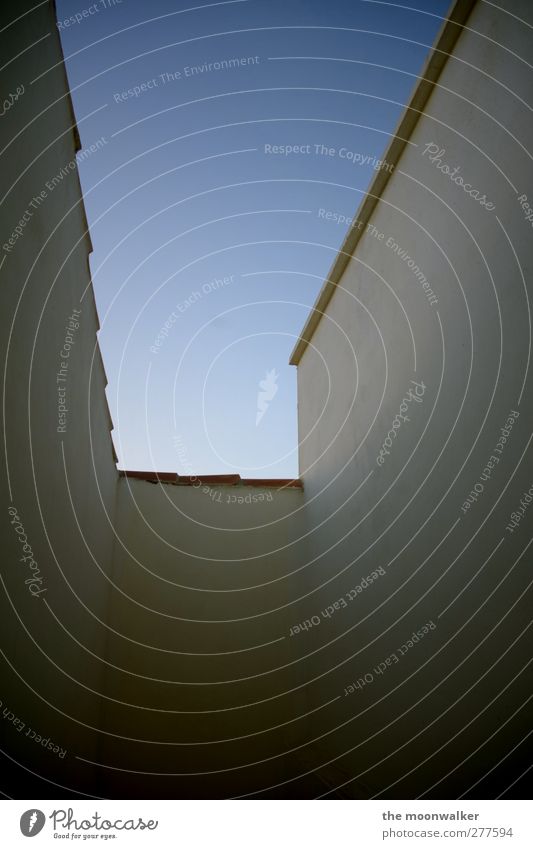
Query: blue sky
x=209 y=244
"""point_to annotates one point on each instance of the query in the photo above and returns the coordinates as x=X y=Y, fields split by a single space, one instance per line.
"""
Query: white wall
x=204 y=595
x=61 y=504
x=396 y=514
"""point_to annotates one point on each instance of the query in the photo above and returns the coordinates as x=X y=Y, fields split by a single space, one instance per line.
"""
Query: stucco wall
x=382 y=337
x=56 y=484
x=202 y=614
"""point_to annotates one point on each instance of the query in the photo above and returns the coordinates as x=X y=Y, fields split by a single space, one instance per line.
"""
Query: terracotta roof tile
x=211 y=480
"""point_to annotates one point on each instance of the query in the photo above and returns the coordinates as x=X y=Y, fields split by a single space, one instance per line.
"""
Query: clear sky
x=209 y=241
